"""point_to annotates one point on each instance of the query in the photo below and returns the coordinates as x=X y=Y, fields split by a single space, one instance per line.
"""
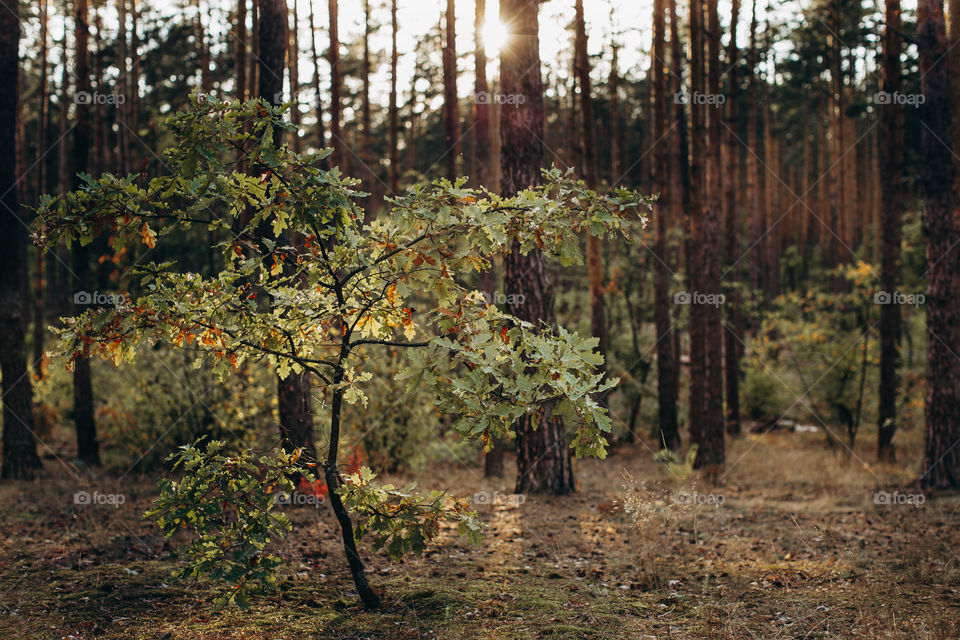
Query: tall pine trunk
x=667 y=379
x=482 y=169
x=891 y=213
x=20 y=458
x=591 y=177
x=393 y=115
x=293 y=62
x=543 y=458
x=336 y=87
x=451 y=112
x=366 y=145
x=942 y=411
x=39 y=293
x=733 y=337
x=88 y=450
x=318 y=99
x=710 y=453
x=293 y=391
x=754 y=198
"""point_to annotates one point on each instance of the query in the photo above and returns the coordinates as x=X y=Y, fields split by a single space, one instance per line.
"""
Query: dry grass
x=797 y=549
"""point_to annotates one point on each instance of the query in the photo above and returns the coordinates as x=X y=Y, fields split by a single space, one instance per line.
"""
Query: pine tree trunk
x=88 y=450
x=240 y=51
x=336 y=87
x=482 y=165
x=613 y=86
x=755 y=216
x=891 y=213
x=19 y=446
x=733 y=338
x=451 y=117
x=293 y=392
x=543 y=458
x=39 y=293
x=710 y=453
x=667 y=379
x=591 y=177
x=393 y=112
x=941 y=466
x=253 y=79
x=837 y=174
x=318 y=106
x=203 y=51
x=481 y=108
x=293 y=62
x=695 y=219
x=366 y=146
x=679 y=162
x=132 y=103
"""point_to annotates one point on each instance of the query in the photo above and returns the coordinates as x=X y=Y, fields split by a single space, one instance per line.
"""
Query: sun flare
x=494 y=35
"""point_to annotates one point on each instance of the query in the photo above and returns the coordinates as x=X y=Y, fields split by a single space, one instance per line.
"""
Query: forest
x=479 y=319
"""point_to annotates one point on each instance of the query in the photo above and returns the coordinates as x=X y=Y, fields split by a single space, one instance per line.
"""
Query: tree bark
x=293 y=62
x=481 y=108
x=293 y=392
x=482 y=165
x=613 y=85
x=336 y=87
x=891 y=213
x=39 y=293
x=88 y=450
x=755 y=222
x=667 y=379
x=592 y=178
x=680 y=158
x=393 y=111
x=695 y=232
x=543 y=458
x=710 y=452
x=240 y=51
x=253 y=79
x=366 y=146
x=203 y=51
x=941 y=454
x=451 y=111
x=837 y=173
x=733 y=337
x=321 y=134
x=20 y=458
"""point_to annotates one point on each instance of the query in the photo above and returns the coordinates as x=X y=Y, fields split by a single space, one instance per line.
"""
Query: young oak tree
x=345 y=292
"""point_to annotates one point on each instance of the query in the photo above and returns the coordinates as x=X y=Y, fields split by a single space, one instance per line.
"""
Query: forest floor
x=797 y=549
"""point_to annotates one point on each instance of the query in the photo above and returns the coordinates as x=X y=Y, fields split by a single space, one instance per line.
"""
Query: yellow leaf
x=148 y=236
